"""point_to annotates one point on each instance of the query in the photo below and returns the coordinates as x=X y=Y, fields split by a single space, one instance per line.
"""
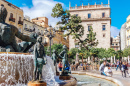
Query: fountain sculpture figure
x=40 y=60
x=54 y=57
x=63 y=56
x=8 y=34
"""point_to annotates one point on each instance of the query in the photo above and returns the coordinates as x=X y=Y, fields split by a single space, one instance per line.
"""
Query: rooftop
x=13 y=6
x=95 y=6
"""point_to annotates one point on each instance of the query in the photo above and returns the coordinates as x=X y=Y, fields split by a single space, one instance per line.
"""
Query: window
x=11 y=15
x=89 y=15
x=20 y=29
x=103 y=27
x=103 y=15
x=76 y=14
x=25 y=25
x=104 y=35
x=112 y=44
x=116 y=44
x=19 y=18
x=89 y=28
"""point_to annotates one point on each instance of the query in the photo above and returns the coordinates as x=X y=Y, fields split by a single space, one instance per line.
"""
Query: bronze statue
x=8 y=33
x=54 y=57
x=39 y=60
x=63 y=56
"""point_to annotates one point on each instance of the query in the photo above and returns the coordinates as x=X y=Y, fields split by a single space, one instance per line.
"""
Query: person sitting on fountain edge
x=101 y=69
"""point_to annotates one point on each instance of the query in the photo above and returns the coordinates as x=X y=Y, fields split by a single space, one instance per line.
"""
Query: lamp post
x=50 y=34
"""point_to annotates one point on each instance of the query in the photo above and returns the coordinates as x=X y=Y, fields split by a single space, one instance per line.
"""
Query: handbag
x=122 y=69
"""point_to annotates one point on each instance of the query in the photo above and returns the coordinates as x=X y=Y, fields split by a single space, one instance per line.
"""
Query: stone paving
x=116 y=75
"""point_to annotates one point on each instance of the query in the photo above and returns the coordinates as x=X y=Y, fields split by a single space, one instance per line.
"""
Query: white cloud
x=41 y=8
x=114 y=31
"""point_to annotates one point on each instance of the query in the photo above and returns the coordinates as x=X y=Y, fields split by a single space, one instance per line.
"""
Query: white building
x=97 y=16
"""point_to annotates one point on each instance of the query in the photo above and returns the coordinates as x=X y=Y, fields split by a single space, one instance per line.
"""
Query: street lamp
x=50 y=34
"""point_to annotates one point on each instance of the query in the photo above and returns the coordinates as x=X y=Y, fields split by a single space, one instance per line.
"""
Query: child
x=108 y=70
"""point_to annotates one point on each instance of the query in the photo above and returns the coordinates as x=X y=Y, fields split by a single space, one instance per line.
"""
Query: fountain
x=16 y=66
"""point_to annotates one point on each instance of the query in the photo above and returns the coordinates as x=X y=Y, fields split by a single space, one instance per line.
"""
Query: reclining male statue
x=8 y=33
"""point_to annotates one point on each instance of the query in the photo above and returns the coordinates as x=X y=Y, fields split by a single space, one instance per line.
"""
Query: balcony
x=128 y=37
x=39 y=33
x=20 y=22
x=26 y=29
x=30 y=30
x=12 y=19
x=128 y=28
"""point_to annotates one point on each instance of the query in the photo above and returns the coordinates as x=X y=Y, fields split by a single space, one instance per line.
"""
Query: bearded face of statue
x=3 y=14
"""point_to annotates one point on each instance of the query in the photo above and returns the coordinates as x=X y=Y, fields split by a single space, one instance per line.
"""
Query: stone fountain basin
x=71 y=82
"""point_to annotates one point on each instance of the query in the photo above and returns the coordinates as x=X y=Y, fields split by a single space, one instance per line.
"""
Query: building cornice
x=96 y=19
x=87 y=9
x=12 y=5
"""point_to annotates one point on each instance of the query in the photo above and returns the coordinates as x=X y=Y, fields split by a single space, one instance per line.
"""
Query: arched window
x=11 y=15
x=25 y=25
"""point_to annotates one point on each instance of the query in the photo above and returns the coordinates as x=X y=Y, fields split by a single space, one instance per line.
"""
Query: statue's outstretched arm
x=23 y=37
x=61 y=54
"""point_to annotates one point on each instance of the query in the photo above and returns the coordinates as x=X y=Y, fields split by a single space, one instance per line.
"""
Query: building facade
x=123 y=37
x=42 y=21
x=30 y=27
x=97 y=16
x=128 y=32
x=115 y=43
x=15 y=15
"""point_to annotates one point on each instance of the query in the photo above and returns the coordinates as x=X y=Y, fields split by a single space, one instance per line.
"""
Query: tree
x=72 y=24
x=119 y=54
x=72 y=53
x=111 y=52
x=57 y=47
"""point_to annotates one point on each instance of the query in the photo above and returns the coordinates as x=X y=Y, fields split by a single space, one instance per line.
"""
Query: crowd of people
x=105 y=68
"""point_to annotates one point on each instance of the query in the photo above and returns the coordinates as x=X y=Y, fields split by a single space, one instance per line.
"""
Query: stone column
x=111 y=59
x=128 y=58
x=88 y=59
x=114 y=59
x=77 y=58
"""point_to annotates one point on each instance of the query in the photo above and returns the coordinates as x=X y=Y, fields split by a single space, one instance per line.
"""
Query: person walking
x=120 y=64
x=101 y=69
x=117 y=63
x=127 y=69
x=123 y=69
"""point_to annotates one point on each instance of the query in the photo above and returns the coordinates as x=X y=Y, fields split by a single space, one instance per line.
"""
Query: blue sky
x=120 y=9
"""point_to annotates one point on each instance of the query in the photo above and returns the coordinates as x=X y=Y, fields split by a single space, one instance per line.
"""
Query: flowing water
x=17 y=70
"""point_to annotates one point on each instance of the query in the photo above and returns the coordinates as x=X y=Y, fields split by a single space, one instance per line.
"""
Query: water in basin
x=85 y=80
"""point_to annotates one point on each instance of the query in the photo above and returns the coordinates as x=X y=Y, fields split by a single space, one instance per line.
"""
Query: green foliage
x=57 y=47
x=72 y=24
x=126 y=52
x=111 y=52
x=91 y=38
x=72 y=53
x=83 y=52
x=119 y=54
